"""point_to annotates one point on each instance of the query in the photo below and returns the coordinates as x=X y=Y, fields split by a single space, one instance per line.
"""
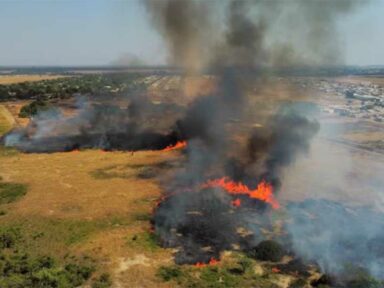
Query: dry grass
x=6 y=120
x=13 y=79
x=361 y=79
x=12 y=110
x=71 y=210
x=63 y=184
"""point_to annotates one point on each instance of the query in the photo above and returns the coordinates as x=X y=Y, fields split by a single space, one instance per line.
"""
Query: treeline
x=66 y=87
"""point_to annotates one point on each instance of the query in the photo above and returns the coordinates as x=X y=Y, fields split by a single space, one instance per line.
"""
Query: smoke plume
x=98 y=124
x=248 y=35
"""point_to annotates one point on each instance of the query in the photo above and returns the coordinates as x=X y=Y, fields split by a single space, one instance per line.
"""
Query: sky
x=102 y=32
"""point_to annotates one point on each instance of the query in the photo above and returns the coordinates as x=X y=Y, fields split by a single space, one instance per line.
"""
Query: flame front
x=211 y=262
x=178 y=145
x=236 y=202
x=263 y=192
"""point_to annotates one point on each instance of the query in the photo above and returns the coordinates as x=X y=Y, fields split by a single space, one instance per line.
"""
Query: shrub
x=268 y=250
x=298 y=283
x=104 y=281
x=22 y=270
x=10 y=192
x=169 y=273
x=33 y=108
x=8 y=237
x=77 y=274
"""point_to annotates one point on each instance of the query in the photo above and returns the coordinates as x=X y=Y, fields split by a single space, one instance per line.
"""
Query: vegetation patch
x=109 y=84
x=103 y=281
x=167 y=273
x=268 y=250
x=9 y=236
x=142 y=171
x=299 y=283
x=146 y=240
x=5 y=123
x=18 y=269
x=142 y=217
x=11 y=192
x=21 y=269
x=8 y=151
x=240 y=273
x=114 y=171
x=34 y=108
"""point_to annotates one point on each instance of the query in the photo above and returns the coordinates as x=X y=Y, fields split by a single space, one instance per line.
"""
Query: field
x=99 y=204
x=88 y=203
x=13 y=79
x=6 y=120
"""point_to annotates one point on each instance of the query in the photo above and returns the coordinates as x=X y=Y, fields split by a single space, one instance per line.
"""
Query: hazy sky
x=98 y=32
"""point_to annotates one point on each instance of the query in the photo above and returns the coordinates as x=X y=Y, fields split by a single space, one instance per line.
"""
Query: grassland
x=13 y=79
x=6 y=120
x=69 y=210
x=98 y=204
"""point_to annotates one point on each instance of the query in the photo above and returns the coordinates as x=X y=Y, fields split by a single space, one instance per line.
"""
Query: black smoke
x=141 y=125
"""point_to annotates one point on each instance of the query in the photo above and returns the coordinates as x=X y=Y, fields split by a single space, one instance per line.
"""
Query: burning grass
x=235 y=270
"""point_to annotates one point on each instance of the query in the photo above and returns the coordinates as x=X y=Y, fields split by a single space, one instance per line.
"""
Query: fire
x=178 y=145
x=236 y=202
x=264 y=190
x=211 y=262
x=275 y=270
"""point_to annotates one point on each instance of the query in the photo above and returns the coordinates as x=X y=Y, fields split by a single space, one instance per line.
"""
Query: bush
x=18 y=269
x=78 y=274
x=10 y=192
x=298 y=283
x=104 y=281
x=268 y=250
x=169 y=273
x=33 y=108
x=22 y=270
x=8 y=237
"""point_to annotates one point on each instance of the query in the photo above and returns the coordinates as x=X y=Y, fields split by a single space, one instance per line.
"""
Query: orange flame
x=211 y=262
x=264 y=190
x=178 y=145
x=236 y=202
x=275 y=270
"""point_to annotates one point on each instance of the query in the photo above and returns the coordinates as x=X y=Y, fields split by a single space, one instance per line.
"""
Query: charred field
x=232 y=225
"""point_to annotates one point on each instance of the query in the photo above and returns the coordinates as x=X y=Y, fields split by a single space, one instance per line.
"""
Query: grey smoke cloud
x=246 y=32
x=249 y=34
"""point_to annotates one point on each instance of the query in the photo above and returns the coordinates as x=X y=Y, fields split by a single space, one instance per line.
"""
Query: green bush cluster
x=11 y=192
x=103 y=281
x=19 y=269
x=238 y=274
x=22 y=270
x=268 y=250
x=9 y=236
x=33 y=108
x=168 y=273
x=62 y=88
